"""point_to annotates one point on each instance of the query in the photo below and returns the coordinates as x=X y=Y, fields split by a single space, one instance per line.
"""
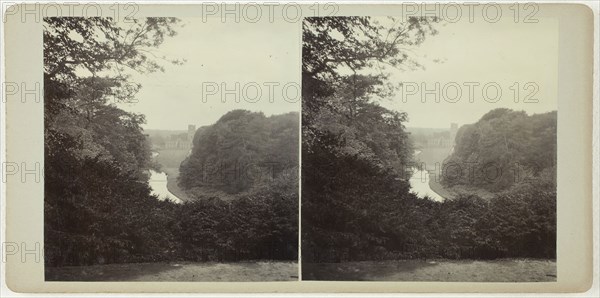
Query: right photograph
x=429 y=149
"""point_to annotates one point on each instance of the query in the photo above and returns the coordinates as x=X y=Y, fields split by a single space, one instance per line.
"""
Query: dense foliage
x=98 y=206
x=243 y=174
x=242 y=151
x=262 y=225
x=356 y=200
x=503 y=149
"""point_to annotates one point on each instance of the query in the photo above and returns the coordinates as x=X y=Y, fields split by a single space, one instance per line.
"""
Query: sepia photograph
x=311 y=148
x=171 y=150
x=429 y=149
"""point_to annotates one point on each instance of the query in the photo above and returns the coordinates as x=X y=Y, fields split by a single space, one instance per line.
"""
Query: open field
x=186 y=271
x=504 y=270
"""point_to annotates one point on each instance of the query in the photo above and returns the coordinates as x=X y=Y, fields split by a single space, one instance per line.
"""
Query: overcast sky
x=504 y=53
x=219 y=53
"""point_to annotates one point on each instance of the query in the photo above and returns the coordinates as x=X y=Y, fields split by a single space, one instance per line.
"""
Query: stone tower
x=453 y=131
x=190 y=134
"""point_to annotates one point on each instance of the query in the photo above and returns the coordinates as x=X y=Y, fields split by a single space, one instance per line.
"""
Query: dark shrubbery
x=353 y=222
x=259 y=227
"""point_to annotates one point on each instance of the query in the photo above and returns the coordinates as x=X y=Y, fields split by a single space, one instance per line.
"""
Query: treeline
x=504 y=149
x=97 y=203
x=241 y=152
x=356 y=201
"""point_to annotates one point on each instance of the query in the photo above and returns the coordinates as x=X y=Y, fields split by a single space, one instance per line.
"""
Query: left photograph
x=171 y=150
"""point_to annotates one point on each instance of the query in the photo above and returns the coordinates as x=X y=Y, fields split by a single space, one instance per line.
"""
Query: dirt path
x=210 y=271
x=505 y=270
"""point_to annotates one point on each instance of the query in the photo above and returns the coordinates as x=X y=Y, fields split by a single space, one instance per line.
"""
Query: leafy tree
x=515 y=149
x=98 y=206
x=354 y=152
x=241 y=151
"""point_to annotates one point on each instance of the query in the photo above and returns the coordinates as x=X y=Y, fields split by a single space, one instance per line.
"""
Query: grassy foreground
x=186 y=271
x=505 y=270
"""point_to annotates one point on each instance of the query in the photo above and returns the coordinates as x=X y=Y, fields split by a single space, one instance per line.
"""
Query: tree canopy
x=98 y=206
x=504 y=149
x=241 y=151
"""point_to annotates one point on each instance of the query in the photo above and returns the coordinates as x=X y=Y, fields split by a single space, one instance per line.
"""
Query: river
x=158 y=184
x=419 y=183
